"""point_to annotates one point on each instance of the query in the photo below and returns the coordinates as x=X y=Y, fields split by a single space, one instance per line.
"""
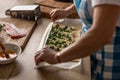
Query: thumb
x=38 y=59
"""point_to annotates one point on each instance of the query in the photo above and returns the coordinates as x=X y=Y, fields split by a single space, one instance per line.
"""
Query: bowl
x=10 y=47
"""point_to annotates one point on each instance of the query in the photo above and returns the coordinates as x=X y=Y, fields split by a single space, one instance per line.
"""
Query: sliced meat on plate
x=13 y=31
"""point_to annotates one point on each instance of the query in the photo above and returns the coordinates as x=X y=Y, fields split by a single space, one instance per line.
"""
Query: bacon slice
x=13 y=31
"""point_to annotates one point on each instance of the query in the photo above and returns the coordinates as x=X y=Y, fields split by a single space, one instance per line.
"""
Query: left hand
x=58 y=14
x=46 y=54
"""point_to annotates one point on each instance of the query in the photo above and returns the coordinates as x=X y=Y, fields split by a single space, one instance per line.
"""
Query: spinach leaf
x=1 y=26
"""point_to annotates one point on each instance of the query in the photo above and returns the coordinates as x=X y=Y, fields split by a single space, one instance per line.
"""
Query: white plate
x=10 y=47
x=66 y=65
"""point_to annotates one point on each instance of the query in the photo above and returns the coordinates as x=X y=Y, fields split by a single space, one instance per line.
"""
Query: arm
x=101 y=33
x=71 y=9
x=62 y=13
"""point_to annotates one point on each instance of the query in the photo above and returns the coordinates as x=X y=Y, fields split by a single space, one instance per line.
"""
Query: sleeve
x=100 y=2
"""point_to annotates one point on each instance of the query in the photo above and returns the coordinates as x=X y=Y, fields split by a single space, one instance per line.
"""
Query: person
x=100 y=38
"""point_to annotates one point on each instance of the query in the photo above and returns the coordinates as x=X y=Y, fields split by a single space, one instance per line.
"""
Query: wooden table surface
x=23 y=67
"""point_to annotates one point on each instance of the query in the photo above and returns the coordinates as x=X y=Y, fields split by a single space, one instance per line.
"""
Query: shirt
x=93 y=3
x=105 y=62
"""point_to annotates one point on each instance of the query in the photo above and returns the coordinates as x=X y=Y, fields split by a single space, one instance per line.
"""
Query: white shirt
x=93 y=3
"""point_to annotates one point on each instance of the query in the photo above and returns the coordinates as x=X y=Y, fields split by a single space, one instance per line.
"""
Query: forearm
x=96 y=37
x=86 y=45
x=71 y=9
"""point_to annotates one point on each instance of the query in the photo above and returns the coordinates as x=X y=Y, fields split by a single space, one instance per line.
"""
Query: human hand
x=46 y=54
x=58 y=14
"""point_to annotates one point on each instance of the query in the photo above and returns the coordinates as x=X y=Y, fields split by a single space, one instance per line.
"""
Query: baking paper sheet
x=66 y=65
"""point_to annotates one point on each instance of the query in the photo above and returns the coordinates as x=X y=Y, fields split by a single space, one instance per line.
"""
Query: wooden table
x=23 y=67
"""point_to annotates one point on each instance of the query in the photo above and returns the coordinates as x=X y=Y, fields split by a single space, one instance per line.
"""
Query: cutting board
x=47 y=5
x=55 y=4
x=27 y=26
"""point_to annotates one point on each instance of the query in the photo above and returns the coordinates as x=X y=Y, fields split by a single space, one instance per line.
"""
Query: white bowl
x=10 y=47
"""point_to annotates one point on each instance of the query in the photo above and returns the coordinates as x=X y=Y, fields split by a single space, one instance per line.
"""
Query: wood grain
x=48 y=5
x=25 y=25
x=23 y=67
x=56 y=4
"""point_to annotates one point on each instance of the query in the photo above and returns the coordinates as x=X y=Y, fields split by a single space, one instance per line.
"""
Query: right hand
x=46 y=54
x=58 y=14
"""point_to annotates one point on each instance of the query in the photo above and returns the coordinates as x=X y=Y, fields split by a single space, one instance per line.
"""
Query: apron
x=105 y=63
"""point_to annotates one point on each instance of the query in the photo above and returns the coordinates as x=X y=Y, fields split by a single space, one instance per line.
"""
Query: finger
x=54 y=19
x=38 y=52
x=54 y=15
x=38 y=59
x=46 y=49
x=51 y=12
